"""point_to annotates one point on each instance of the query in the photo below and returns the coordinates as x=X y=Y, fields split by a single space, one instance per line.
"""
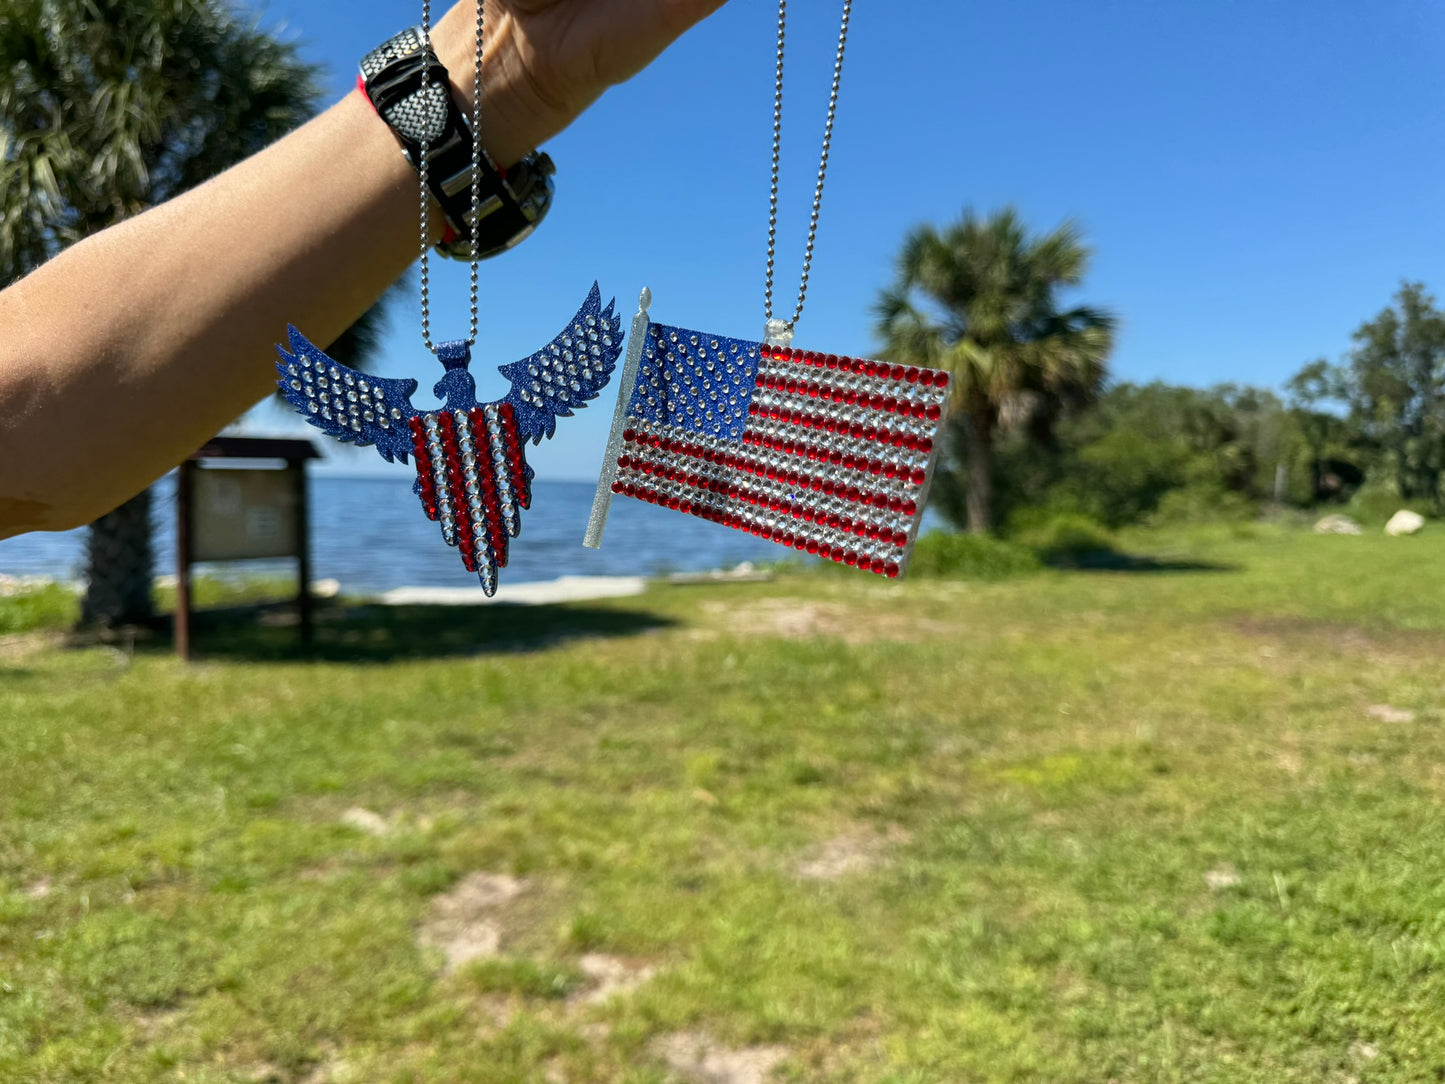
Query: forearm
x=124 y=354
x=129 y=350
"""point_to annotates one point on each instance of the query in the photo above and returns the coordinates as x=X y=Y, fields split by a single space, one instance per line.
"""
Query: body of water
x=371 y=535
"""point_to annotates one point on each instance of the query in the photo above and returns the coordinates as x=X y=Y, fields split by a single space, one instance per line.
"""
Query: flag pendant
x=471 y=469
x=827 y=454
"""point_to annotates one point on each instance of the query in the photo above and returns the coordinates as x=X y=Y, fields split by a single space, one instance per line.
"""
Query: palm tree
x=981 y=300
x=108 y=107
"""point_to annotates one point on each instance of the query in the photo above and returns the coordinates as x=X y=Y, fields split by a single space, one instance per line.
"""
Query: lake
x=370 y=534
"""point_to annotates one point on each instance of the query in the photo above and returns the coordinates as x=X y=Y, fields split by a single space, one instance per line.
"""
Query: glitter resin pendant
x=827 y=454
x=471 y=470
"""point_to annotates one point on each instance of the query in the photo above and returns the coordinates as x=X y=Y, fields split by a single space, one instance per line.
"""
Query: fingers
x=680 y=15
x=629 y=34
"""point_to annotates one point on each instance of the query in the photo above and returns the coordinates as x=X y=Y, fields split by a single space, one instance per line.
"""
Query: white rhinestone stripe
x=822 y=534
x=821 y=411
x=857 y=447
x=767 y=492
x=501 y=472
x=477 y=512
x=902 y=487
x=842 y=380
x=839 y=479
x=439 y=475
x=842 y=439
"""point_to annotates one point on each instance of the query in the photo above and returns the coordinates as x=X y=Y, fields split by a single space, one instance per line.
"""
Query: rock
x=325 y=588
x=1405 y=522
x=1337 y=524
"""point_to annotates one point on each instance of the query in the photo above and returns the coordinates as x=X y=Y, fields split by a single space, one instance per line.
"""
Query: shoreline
x=571 y=588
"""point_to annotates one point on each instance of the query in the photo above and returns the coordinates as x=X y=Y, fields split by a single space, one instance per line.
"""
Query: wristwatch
x=513 y=201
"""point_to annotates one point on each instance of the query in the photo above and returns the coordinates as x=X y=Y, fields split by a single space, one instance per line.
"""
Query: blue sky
x=1255 y=178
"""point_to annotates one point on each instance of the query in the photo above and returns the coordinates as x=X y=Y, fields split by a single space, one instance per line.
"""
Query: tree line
x=1037 y=429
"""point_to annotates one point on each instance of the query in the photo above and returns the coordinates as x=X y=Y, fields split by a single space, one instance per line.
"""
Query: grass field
x=1182 y=822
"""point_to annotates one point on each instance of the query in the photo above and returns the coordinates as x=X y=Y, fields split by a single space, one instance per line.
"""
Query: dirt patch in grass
x=609 y=977
x=699 y=1059
x=1304 y=634
x=24 y=644
x=468 y=923
x=366 y=821
x=858 y=851
x=798 y=619
x=1226 y=876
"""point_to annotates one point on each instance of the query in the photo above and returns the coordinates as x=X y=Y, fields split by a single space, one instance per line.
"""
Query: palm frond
x=980 y=298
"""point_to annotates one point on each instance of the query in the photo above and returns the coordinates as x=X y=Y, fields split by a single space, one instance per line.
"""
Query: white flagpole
x=626 y=383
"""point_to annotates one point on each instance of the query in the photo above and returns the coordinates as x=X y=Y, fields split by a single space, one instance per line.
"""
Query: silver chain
x=426 y=176
x=822 y=163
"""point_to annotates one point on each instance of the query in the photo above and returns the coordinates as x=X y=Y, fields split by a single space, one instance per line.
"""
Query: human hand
x=548 y=60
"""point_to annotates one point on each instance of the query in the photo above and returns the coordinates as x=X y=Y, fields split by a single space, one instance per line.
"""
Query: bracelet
x=513 y=202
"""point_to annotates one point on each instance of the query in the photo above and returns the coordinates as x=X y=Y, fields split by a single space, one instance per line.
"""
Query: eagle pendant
x=471 y=469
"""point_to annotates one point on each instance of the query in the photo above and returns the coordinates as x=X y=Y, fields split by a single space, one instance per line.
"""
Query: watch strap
x=511 y=203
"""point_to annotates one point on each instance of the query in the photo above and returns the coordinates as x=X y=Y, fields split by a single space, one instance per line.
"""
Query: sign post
x=237 y=513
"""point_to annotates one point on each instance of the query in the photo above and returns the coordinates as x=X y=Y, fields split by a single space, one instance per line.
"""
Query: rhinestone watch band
x=513 y=203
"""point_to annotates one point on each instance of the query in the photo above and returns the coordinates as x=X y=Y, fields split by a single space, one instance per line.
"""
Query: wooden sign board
x=243 y=515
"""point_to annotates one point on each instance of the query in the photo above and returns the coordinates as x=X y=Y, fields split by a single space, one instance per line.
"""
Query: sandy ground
x=566 y=589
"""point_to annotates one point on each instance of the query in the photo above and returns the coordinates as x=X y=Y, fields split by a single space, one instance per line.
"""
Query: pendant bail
x=456 y=354
x=778 y=333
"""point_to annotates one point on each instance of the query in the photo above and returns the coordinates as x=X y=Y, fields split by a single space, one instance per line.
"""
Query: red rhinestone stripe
x=770 y=480
x=881 y=370
x=456 y=482
x=839 y=553
x=804 y=395
x=880 y=468
x=426 y=482
x=890 y=525
x=886 y=404
x=515 y=457
x=762 y=499
x=864 y=434
x=877 y=467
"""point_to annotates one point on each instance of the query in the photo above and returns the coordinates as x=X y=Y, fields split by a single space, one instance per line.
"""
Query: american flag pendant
x=827 y=454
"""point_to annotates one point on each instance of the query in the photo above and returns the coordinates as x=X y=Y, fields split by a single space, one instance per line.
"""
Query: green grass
x=56 y=607
x=1134 y=825
x=53 y=606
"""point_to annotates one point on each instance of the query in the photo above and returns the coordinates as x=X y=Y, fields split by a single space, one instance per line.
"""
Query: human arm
x=126 y=352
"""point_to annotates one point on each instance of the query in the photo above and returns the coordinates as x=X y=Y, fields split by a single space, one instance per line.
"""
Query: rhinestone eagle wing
x=471 y=470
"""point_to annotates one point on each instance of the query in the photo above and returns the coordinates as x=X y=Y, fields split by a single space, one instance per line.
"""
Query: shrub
x=1062 y=536
x=1375 y=502
x=1203 y=503
x=970 y=557
x=50 y=606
